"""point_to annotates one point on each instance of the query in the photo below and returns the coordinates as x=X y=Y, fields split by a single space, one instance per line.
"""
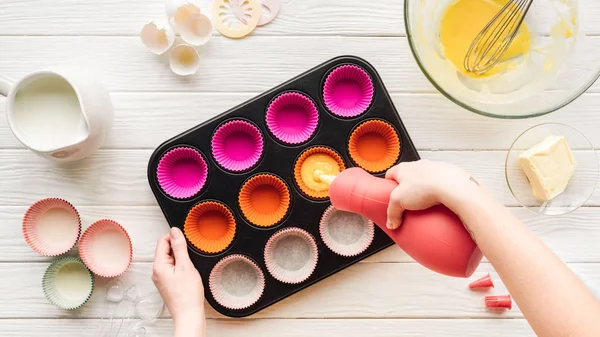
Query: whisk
x=495 y=38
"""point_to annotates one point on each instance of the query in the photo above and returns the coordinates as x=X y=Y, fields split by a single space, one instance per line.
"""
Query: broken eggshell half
x=158 y=36
x=184 y=60
x=196 y=30
x=171 y=6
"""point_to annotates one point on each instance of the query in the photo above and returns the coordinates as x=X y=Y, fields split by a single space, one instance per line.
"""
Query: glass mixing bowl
x=562 y=64
x=582 y=184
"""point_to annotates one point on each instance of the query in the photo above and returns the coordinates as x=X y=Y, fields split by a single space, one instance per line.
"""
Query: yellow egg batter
x=462 y=22
x=319 y=163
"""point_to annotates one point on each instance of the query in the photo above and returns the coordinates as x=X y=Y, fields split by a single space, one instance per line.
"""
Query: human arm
x=180 y=285
x=552 y=298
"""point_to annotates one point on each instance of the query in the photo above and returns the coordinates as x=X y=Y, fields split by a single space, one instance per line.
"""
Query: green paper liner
x=76 y=271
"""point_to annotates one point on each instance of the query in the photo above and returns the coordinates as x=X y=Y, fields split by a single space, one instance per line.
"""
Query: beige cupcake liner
x=332 y=217
x=232 y=272
x=291 y=255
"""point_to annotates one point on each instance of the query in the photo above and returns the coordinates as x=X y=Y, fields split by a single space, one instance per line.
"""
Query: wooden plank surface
x=145 y=120
x=298 y=17
x=291 y=327
x=119 y=177
x=365 y=290
x=573 y=237
x=387 y=294
x=123 y=63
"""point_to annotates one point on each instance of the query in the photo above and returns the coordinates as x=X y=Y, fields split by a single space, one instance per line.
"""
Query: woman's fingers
x=396 y=207
x=179 y=247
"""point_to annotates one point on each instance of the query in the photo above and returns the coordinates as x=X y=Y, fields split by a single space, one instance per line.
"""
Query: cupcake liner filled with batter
x=374 y=146
x=292 y=118
x=210 y=227
x=182 y=172
x=236 y=282
x=237 y=145
x=348 y=91
x=264 y=200
x=291 y=255
x=344 y=233
x=51 y=227
x=313 y=162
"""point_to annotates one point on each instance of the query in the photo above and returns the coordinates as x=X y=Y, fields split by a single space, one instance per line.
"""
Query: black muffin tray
x=279 y=159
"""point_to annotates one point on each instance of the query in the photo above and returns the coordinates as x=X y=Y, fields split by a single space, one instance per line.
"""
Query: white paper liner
x=344 y=233
x=291 y=255
x=236 y=282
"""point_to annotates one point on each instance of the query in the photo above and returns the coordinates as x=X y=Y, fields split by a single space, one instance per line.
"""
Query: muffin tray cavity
x=259 y=225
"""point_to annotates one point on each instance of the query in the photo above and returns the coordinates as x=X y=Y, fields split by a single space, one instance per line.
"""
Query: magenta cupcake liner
x=292 y=118
x=237 y=145
x=236 y=282
x=344 y=233
x=348 y=91
x=182 y=172
x=51 y=226
x=291 y=255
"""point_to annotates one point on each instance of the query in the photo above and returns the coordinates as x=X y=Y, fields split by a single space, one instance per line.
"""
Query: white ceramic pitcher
x=60 y=113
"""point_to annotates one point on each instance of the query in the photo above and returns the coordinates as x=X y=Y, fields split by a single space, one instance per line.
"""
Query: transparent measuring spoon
x=115 y=292
x=149 y=307
x=131 y=295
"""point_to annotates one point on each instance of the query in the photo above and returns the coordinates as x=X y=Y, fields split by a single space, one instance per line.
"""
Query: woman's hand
x=422 y=184
x=179 y=284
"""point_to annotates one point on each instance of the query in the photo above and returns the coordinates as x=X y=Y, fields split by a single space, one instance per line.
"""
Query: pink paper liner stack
x=237 y=145
x=292 y=118
x=106 y=249
x=291 y=255
x=335 y=222
x=236 y=282
x=51 y=227
x=182 y=172
x=348 y=91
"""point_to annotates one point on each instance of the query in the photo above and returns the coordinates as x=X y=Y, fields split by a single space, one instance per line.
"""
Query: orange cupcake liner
x=298 y=170
x=38 y=240
x=100 y=251
x=264 y=200
x=210 y=227
x=374 y=146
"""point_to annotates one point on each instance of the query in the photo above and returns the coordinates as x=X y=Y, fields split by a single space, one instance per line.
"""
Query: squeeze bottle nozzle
x=435 y=238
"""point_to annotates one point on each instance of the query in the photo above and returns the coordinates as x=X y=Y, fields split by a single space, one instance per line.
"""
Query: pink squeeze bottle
x=435 y=238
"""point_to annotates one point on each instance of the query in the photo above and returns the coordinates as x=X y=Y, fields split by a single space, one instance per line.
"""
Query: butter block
x=549 y=166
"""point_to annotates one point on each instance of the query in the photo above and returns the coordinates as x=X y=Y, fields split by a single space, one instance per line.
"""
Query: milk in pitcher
x=48 y=114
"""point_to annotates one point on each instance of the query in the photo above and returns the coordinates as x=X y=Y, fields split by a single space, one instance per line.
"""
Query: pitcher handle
x=5 y=85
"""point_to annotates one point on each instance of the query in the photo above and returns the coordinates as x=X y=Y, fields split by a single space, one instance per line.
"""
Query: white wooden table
x=388 y=294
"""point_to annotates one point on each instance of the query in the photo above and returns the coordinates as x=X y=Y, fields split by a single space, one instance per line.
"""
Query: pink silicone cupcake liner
x=51 y=227
x=344 y=233
x=182 y=172
x=291 y=255
x=236 y=282
x=292 y=118
x=348 y=91
x=105 y=248
x=237 y=145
